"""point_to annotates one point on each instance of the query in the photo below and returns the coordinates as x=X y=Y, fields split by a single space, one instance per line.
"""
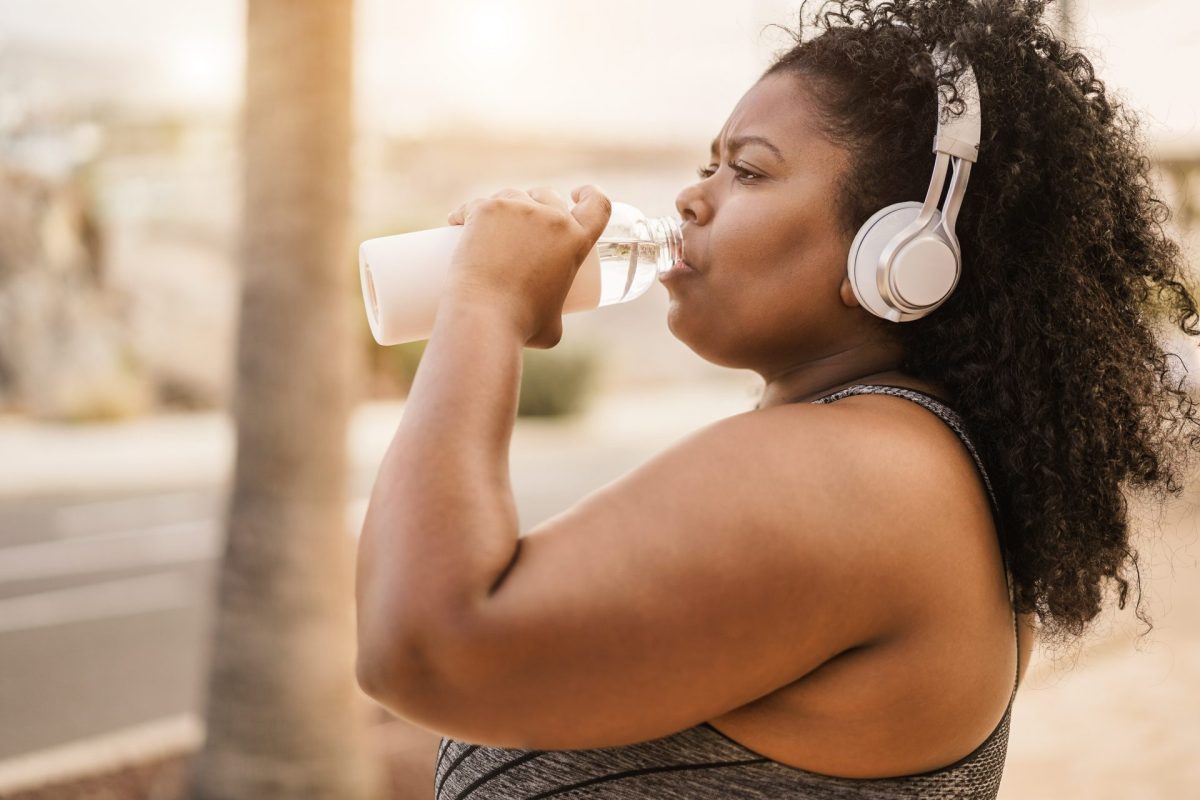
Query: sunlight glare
x=204 y=70
x=493 y=30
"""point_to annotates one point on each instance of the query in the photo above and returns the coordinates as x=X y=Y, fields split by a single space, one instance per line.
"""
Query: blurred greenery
x=398 y=363
x=557 y=382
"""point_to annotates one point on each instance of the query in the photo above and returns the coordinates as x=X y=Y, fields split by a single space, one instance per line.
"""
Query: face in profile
x=768 y=288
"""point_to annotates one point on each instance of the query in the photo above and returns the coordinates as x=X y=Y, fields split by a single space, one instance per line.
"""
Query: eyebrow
x=738 y=142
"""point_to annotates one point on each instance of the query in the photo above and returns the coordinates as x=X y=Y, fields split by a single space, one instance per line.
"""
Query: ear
x=846 y=292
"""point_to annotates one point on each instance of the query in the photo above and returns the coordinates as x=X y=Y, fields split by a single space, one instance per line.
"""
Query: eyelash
x=706 y=172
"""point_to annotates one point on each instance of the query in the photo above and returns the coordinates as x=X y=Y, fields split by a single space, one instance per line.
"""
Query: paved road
x=103 y=607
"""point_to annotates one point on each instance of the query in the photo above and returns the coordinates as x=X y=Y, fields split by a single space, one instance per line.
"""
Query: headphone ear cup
x=862 y=262
x=924 y=272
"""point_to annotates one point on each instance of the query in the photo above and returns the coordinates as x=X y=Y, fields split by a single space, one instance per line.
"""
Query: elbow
x=393 y=676
x=385 y=658
x=370 y=681
x=366 y=657
x=381 y=669
x=378 y=666
x=406 y=670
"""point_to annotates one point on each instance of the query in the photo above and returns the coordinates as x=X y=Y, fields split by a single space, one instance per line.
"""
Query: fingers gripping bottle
x=404 y=276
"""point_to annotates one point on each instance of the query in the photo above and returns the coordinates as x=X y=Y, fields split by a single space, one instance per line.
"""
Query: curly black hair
x=1050 y=345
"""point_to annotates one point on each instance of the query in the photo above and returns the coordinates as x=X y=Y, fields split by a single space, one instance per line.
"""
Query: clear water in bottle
x=633 y=250
x=620 y=277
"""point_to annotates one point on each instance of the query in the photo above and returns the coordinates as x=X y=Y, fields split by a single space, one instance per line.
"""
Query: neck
x=864 y=363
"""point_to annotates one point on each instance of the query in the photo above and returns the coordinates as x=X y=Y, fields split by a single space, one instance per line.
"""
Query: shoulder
x=893 y=442
x=870 y=462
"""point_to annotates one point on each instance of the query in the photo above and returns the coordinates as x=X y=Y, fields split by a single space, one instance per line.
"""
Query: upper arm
x=733 y=563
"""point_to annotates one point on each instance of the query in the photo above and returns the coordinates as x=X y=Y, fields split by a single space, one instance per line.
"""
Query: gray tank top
x=701 y=763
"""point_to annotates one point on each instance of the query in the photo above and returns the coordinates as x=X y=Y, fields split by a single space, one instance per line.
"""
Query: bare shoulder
x=889 y=468
x=890 y=449
x=871 y=476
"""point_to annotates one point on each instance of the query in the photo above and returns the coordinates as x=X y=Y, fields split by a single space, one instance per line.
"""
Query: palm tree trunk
x=284 y=715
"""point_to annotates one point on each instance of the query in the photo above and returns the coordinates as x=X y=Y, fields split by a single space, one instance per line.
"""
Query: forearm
x=441 y=526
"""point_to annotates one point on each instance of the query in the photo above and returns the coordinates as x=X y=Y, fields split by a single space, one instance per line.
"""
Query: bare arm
x=441 y=525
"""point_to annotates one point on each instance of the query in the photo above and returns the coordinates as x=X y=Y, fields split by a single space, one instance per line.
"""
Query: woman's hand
x=520 y=251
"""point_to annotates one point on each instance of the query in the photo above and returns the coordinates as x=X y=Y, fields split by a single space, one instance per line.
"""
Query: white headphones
x=905 y=260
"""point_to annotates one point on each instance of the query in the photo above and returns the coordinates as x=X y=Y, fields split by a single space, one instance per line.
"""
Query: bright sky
x=667 y=70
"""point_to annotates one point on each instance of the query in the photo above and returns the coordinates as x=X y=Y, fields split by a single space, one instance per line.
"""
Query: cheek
x=776 y=234
x=760 y=276
x=764 y=281
x=744 y=243
x=778 y=305
x=790 y=300
x=803 y=265
x=762 y=305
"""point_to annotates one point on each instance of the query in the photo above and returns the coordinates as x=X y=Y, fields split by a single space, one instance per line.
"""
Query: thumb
x=592 y=209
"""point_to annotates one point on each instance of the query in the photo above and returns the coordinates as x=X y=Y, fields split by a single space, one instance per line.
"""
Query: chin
x=678 y=328
x=698 y=345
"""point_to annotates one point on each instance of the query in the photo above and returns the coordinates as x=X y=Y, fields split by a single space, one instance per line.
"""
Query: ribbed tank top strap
x=952 y=419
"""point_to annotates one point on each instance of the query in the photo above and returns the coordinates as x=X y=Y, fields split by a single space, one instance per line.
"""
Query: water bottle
x=404 y=276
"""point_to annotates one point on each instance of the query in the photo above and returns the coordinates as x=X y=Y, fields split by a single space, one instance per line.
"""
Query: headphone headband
x=957 y=135
x=905 y=260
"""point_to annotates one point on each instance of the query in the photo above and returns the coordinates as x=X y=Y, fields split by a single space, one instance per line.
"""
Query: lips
x=678 y=269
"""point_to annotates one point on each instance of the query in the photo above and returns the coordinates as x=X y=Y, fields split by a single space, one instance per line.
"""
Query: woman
x=819 y=597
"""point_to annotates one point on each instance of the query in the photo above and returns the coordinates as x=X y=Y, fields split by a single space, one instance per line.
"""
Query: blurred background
x=122 y=218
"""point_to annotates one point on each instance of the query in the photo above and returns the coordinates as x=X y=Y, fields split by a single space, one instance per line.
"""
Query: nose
x=693 y=206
